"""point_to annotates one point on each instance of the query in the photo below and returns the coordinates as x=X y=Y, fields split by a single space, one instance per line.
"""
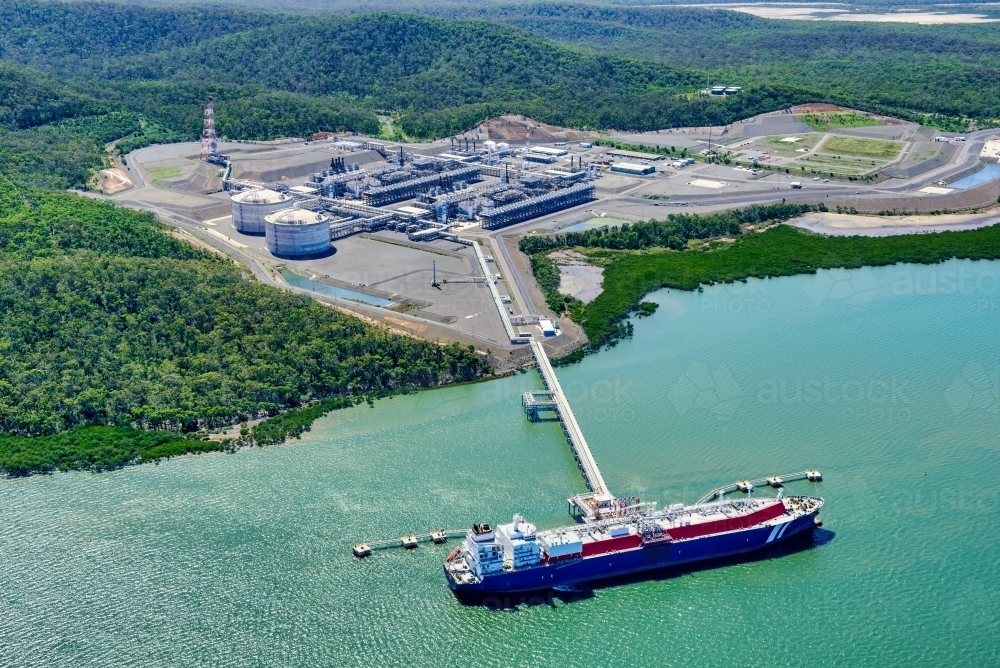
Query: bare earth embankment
x=840 y=224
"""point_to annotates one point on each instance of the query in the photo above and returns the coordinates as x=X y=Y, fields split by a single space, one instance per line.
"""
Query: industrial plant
x=411 y=234
x=486 y=184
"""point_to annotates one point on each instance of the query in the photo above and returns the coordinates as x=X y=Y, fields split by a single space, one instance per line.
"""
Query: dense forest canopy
x=896 y=67
x=608 y=66
x=109 y=321
x=87 y=39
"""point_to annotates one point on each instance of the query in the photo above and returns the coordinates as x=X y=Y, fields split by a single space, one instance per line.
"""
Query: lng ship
x=627 y=539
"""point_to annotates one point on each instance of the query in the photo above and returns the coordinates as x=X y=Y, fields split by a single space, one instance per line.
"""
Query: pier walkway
x=409 y=542
x=491 y=282
x=581 y=451
x=554 y=399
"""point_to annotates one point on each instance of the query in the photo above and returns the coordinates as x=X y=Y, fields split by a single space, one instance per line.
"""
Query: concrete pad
x=935 y=190
x=616 y=184
x=991 y=149
x=702 y=183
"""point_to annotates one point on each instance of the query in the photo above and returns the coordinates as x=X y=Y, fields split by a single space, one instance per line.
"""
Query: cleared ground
x=775 y=144
x=866 y=148
x=807 y=13
x=165 y=172
x=838 y=119
x=878 y=226
x=114 y=181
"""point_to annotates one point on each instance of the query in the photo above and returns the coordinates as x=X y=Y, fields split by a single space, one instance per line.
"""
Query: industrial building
x=397 y=192
x=251 y=207
x=502 y=216
x=634 y=155
x=546 y=150
x=725 y=90
x=533 y=156
x=297 y=232
x=632 y=168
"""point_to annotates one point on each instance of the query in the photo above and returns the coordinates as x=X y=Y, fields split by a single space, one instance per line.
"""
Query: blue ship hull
x=646 y=558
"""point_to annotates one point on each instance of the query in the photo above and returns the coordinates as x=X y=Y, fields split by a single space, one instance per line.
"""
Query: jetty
x=553 y=398
x=746 y=486
x=598 y=503
x=408 y=541
x=497 y=300
x=582 y=506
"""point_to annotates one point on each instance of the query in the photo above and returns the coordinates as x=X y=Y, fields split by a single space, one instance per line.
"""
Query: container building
x=635 y=155
x=546 y=150
x=631 y=168
x=534 y=156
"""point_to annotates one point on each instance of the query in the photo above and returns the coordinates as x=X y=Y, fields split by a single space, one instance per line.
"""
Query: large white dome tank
x=297 y=232
x=251 y=207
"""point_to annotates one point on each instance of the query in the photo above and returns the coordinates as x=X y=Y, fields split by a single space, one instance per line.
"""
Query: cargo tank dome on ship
x=297 y=232
x=251 y=207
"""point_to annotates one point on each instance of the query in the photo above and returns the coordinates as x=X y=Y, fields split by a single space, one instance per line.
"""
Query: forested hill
x=442 y=76
x=29 y=98
x=580 y=65
x=467 y=69
x=84 y=39
x=898 y=67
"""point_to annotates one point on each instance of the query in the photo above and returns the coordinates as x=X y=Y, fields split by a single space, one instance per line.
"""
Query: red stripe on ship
x=611 y=545
x=728 y=524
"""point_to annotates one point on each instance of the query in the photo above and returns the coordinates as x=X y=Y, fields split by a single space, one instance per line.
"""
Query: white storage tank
x=297 y=232
x=250 y=207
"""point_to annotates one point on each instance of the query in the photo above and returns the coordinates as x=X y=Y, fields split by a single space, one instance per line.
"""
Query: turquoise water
x=988 y=173
x=876 y=377
x=591 y=224
x=332 y=290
